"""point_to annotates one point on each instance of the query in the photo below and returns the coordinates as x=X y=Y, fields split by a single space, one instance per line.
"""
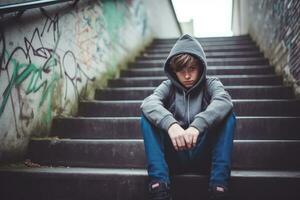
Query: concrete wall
x=162 y=19
x=275 y=26
x=188 y=27
x=240 y=17
x=51 y=57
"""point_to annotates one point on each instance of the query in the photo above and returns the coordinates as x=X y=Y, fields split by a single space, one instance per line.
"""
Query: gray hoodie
x=202 y=106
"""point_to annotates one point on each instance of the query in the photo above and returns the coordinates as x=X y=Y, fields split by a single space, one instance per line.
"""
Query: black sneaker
x=218 y=192
x=159 y=190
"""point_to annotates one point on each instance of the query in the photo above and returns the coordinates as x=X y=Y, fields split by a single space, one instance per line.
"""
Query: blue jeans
x=212 y=153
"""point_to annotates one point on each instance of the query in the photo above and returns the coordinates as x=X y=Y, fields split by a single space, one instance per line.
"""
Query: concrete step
x=207 y=47
x=207 y=41
x=211 y=67
x=227 y=80
x=247 y=128
x=245 y=107
x=131 y=153
x=238 y=39
x=205 y=44
x=130 y=184
x=236 y=92
x=210 y=62
x=223 y=48
x=234 y=70
x=242 y=54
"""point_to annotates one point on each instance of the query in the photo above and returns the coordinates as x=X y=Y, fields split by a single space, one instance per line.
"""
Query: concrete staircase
x=100 y=154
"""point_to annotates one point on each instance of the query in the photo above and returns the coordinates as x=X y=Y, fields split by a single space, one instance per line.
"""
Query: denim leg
x=212 y=149
x=222 y=151
x=200 y=155
x=154 y=140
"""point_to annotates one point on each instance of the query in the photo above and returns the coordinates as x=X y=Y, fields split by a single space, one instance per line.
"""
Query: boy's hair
x=180 y=61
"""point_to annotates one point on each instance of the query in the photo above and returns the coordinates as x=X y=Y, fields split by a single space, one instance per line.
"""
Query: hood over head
x=186 y=44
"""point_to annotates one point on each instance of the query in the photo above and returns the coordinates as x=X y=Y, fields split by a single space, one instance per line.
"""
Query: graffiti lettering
x=36 y=67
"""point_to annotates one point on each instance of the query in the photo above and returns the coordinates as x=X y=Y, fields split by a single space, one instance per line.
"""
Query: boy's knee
x=231 y=118
x=143 y=119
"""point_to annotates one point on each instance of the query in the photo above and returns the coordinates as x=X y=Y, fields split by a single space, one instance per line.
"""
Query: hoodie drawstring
x=188 y=107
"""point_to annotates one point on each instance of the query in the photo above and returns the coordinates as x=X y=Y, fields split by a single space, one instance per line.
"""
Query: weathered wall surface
x=275 y=25
x=240 y=17
x=51 y=57
x=162 y=19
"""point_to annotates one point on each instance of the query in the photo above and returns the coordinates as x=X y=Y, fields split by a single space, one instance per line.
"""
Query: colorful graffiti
x=89 y=31
x=36 y=67
x=50 y=58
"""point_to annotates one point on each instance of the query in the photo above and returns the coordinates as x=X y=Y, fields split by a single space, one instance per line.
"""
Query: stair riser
x=241 y=108
x=130 y=154
x=229 y=48
x=208 y=60
x=246 y=128
x=72 y=187
x=273 y=80
x=211 y=62
x=207 y=42
x=247 y=93
x=246 y=71
x=162 y=51
x=209 y=39
x=60 y=186
x=209 y=55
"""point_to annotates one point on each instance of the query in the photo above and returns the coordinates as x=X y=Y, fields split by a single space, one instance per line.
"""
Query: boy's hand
x=192 y=134
x=177 y=135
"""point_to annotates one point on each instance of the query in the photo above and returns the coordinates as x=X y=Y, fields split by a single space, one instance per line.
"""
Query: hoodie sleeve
x=154 y=110
x=218 y=108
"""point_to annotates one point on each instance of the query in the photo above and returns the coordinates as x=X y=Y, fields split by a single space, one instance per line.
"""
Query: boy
x=188 y=123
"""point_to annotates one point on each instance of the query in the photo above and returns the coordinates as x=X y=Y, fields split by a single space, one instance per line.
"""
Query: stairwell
x=100 y=155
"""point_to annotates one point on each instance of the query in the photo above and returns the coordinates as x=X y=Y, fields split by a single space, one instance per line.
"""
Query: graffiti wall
x=275 y=25
x=51 y=57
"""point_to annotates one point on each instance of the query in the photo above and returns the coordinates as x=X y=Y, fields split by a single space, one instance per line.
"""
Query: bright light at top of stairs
x=211 y=18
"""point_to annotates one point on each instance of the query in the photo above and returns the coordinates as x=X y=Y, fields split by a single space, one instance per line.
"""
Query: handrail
x=20 y=7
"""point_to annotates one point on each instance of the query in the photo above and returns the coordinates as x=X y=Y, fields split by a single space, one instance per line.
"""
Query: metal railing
x=22 y=6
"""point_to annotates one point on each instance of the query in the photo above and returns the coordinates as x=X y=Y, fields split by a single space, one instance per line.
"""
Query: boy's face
x=189 y=75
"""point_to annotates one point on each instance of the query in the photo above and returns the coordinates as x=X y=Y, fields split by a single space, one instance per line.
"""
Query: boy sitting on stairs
x=188 y=123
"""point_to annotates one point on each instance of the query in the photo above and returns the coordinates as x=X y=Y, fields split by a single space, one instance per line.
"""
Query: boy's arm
x=220 y=105
x=154 y=110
